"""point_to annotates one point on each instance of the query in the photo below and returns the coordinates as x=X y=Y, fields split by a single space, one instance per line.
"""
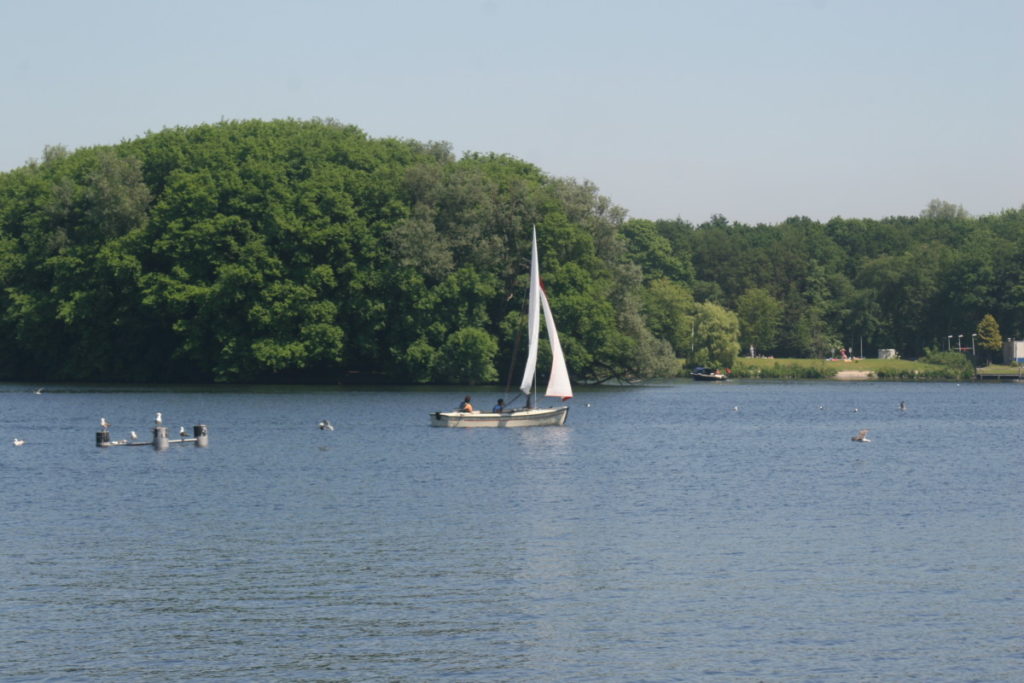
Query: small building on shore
x=1013 y=352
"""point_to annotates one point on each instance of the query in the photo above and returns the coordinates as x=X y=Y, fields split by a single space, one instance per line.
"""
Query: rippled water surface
x=684 y=531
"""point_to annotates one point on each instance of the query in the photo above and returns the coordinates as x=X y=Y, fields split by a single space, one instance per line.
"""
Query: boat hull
x=706 y=377
x=529 y=417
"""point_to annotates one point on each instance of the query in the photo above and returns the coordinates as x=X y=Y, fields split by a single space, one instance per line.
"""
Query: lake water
x=674 y=532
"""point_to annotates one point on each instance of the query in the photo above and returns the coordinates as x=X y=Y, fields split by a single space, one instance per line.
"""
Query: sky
x=753 y=110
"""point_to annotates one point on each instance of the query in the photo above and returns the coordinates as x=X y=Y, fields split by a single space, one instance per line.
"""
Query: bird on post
x=104 y=424
x=159 y=419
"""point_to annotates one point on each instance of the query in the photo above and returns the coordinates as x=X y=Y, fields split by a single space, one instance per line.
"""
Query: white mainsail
x=558 y=382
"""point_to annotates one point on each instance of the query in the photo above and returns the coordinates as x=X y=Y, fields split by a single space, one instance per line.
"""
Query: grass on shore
x=816 y=368
x=999 y=370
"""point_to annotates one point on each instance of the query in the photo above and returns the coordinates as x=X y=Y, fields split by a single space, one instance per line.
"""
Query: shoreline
x=855 y=375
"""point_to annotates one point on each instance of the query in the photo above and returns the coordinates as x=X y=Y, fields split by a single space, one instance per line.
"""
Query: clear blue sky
x=755 y=110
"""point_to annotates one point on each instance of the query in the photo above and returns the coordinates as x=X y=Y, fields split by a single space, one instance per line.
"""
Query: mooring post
x=160 y=442
x=103 y=438
x=202 y=438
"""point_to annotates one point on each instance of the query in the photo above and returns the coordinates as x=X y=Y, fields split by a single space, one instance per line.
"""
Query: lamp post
x=973 y=335
x=960 y=342
x=949 y=342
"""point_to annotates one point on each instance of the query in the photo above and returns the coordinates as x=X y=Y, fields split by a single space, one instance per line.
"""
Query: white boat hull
x=528 y=417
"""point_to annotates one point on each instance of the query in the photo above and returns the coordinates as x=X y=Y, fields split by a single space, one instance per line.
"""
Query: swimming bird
x=862 y=436
x=104 y=423
x=159 y=419
x=38 y=391
x=182 y=433
x=134 y=435
x=903 y=405
x=736 y=408
x=326 y=425
x=18 y=442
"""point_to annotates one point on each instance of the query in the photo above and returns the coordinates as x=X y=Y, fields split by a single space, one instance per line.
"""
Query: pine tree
x=989 y=338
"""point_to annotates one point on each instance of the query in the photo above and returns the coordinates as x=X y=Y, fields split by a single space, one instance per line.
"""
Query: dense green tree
x=990 y=340
x=467 y=357
x=760 y=315
x=716 y=338
x=669 y=308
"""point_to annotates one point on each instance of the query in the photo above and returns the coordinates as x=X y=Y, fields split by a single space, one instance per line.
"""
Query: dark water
x=660 y=535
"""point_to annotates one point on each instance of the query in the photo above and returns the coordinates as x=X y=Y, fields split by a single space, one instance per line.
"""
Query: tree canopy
x=305 y=251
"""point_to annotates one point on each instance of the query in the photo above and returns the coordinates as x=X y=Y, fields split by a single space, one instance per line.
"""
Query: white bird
x=134 y=435
x=159 y=419
x=38 y=391
x=182 y=433
x=18 y=442
x=862 y=436
x=104 y=423
x=326 y=425
x=903 y=405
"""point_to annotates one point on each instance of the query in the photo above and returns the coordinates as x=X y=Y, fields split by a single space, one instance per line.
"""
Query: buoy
x=160 y=440
x=201 y=436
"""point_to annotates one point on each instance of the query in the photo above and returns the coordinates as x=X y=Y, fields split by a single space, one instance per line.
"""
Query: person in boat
x=499 y=406
x=467 y=405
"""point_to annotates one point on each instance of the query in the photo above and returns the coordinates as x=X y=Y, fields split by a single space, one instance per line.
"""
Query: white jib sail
x=558 y=382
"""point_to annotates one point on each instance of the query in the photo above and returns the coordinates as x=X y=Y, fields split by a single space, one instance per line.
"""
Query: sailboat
x=558 y=380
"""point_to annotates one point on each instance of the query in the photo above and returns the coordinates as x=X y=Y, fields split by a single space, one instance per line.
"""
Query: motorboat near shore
x=707 y=375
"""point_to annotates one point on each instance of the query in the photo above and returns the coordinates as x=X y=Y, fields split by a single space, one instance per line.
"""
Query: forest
x=308 y=252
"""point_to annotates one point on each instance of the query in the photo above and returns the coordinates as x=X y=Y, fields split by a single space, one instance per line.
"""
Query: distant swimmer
x=862 y=436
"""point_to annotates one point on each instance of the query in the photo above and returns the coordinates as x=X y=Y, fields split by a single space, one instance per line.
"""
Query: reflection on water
x=670 y=532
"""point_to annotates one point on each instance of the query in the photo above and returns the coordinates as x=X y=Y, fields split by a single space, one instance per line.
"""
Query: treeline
x=304 y=251
x=807 y=289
